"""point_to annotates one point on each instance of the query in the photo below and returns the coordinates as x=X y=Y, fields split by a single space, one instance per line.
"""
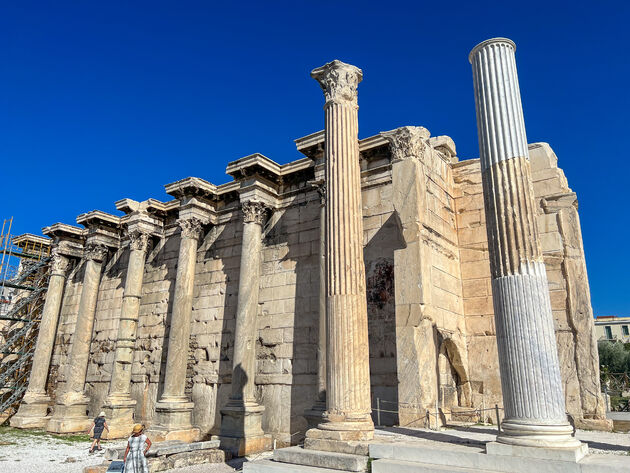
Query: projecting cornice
x=68 y=239
x=190 y=187
x=103 y=228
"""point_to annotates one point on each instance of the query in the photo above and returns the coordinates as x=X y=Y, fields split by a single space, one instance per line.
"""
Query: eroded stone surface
x=431 y=330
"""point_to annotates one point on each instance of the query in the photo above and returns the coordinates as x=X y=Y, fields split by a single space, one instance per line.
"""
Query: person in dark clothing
x=98 y=425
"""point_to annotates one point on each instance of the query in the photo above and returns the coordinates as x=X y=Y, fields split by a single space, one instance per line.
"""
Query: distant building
x=613 y=328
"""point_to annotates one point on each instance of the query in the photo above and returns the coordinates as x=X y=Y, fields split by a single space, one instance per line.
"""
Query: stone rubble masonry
x=528 y=356
x=431 y=331
x=348 y=403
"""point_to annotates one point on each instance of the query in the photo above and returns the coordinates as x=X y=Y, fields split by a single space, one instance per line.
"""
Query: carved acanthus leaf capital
x=95 y=252
x=254 y=212
x=407 y=141
x=339 y=81
x=138 y=240
x=192 y=227
x=58 y=263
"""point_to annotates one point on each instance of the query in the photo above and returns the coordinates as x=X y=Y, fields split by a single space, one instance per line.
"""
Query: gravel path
x=27 y=451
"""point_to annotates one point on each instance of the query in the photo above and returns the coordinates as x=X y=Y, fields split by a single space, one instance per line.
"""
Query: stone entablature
x=430 y=319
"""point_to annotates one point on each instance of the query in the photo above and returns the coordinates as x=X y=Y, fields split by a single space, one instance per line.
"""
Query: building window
x=624 y=330
x=608 y=332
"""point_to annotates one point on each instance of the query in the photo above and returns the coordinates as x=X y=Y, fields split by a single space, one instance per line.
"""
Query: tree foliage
x=614 y=357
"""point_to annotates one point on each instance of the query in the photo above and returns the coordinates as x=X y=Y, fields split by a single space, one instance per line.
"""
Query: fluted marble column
x=348 y=415
x=315 y=414
x=241 y=422
x=173 y=412
x=70 y=414
x=119 y=406
x=528 y=356
x=34 y=406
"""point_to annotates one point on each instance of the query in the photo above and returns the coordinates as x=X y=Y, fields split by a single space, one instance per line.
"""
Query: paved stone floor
x=38 y=452
x=477 y=435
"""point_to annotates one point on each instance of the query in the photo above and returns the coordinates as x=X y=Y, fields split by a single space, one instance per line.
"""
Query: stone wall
x=430 y=316
x=561 y=242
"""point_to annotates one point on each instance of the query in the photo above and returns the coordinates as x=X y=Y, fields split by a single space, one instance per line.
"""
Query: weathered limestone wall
x=561 y=243
x=105 y=333
x=150 y=353
x=430 y=317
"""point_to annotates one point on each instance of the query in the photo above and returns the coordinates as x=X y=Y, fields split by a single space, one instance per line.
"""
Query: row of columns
x=173 y=419
x=530 y=376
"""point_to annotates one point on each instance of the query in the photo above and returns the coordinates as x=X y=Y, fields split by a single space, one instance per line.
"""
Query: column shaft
x=70 y=413
x=34 y=406
x=179 y=333
x=173 y=419
x=244 y=362
x=119 y=407
x=348 y=373
x=321 y=335
x=241 y=421
x=121 y=376
x=528 y=356
x=314 y=414
x=48 y=326
x=80 y=352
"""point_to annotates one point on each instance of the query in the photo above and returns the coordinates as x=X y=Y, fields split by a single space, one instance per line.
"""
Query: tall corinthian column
x=528 y=356
x=119 y=406
x=70 y=413
x=173 y=413
x=241 y=422
x=34 y=406
x=348 y=415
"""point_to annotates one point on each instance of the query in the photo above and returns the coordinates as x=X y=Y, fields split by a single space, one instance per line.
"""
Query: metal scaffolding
x=23 y=282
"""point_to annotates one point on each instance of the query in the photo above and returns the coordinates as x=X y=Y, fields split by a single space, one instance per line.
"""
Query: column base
x=537 y=435
x=173 y=421
x=70 y=415
x=341 y=437
x=240 y=447
x=241 y=428
x=32 y=413
x=119 y=412
x=568 y=454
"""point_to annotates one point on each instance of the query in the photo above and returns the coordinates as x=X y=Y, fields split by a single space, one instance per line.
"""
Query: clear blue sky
x=106 y=100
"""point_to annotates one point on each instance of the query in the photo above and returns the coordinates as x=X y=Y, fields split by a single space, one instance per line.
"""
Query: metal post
x=437 y=416
x=378 y=411
x=496 y=409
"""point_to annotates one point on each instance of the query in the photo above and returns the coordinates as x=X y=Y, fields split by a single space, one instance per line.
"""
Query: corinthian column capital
x=95 y=252
x=58 y=262
x=191 y=227
x=407 y=141
x=339 y=81
x=254 y=212
x=138 y=240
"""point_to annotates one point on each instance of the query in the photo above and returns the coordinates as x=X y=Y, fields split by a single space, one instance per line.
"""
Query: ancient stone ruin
x=298 y=296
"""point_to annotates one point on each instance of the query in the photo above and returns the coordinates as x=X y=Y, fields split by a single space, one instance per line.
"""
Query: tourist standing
x=137 y=448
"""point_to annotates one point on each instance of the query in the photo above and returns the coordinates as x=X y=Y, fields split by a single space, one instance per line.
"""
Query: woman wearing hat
x=135 y=454
x=98 y=425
